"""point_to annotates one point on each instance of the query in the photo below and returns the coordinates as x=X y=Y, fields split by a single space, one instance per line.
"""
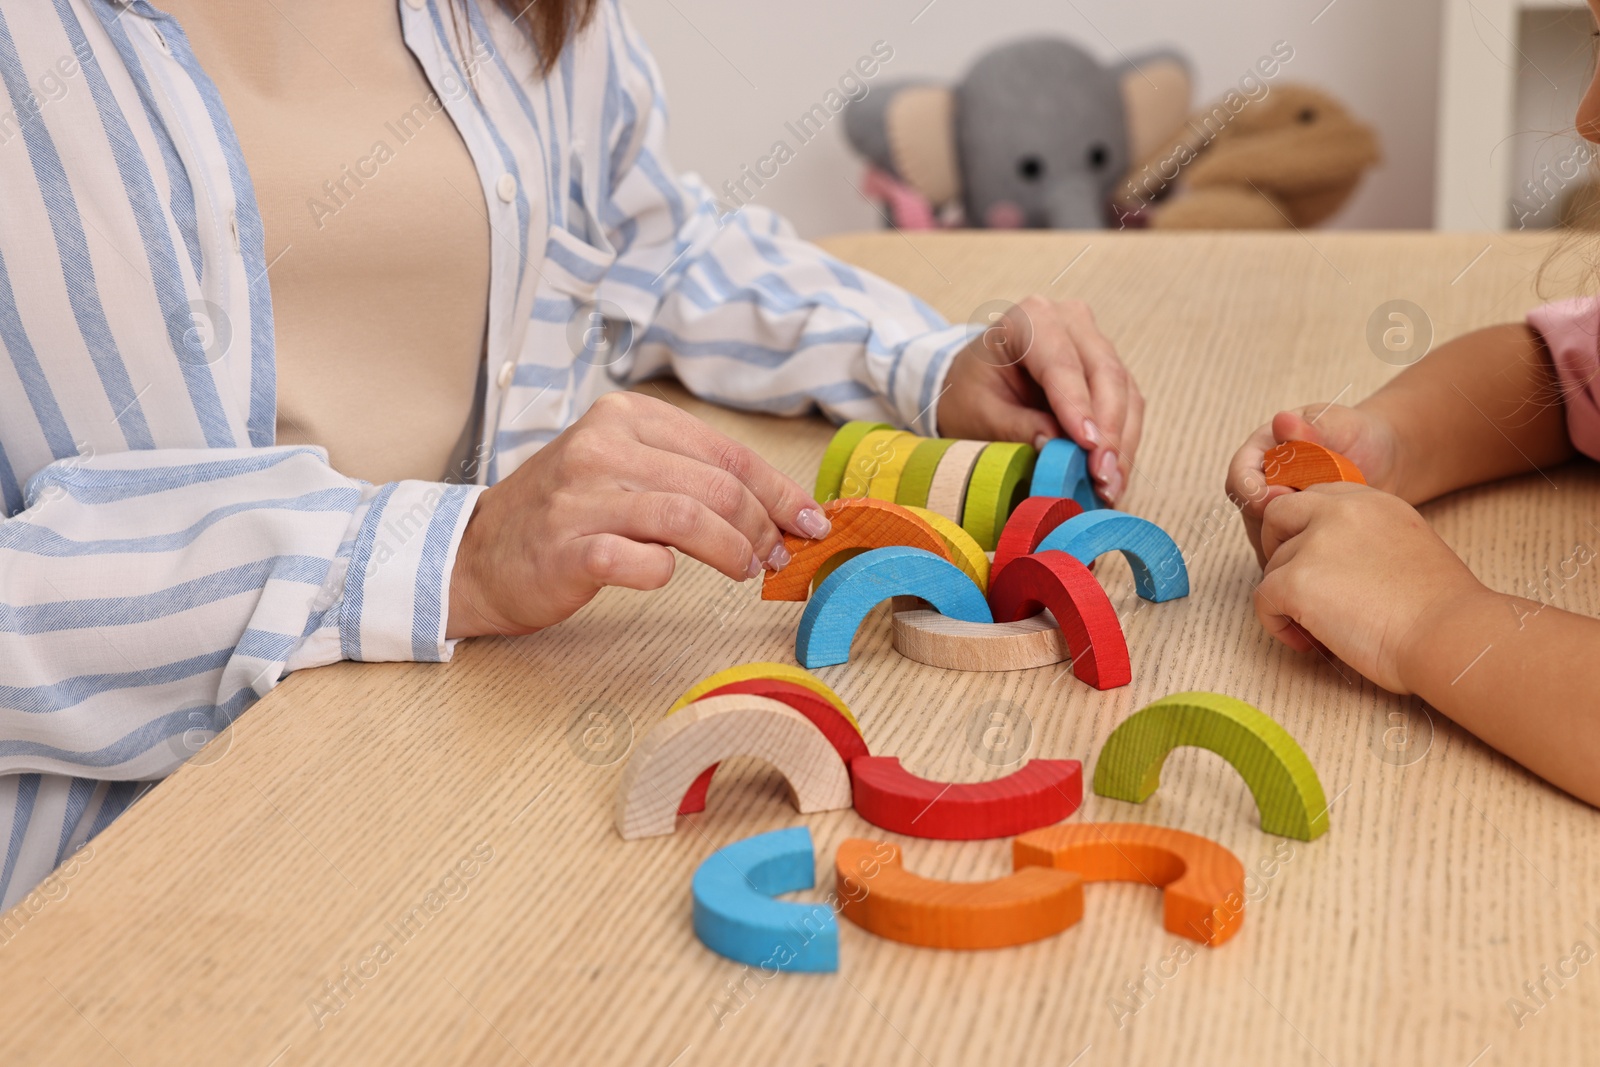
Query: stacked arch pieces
x=976 y=484
x=1041 y=563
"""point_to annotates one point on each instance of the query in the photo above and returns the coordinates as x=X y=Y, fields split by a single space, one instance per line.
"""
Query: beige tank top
x=380 y=290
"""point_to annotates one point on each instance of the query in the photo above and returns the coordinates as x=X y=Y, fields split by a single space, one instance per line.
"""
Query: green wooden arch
x=1287 y=792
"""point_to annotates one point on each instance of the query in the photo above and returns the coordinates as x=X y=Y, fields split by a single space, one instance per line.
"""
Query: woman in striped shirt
x=314 y=324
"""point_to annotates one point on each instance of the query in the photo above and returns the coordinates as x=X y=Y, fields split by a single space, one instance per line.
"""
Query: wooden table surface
x=214 y=923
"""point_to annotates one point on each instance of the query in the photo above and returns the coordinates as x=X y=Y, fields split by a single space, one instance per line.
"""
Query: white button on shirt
x=506 y=187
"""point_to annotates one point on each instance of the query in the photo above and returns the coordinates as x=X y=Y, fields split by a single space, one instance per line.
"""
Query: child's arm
x=1534 y=691
x=1362 y=573
x=1483 y=406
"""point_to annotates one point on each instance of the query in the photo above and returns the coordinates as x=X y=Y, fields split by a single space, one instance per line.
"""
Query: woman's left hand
x=1045 y=370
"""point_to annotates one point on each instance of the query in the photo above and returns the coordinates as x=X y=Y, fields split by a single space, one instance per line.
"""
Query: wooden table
x=206 y=925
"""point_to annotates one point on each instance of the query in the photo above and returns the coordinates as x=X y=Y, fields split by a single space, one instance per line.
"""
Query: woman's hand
x=605 y=503
x=1364 y=438
x=1359 y=572
x=1045 y=368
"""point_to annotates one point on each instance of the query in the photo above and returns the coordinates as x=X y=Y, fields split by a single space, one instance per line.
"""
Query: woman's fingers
x=1088 y=389
x=1057 y=366
x=1133 y=429
x=682 y=522
x=1108 y=380
x=657 y=471
x=660 y=425
x=611 y=559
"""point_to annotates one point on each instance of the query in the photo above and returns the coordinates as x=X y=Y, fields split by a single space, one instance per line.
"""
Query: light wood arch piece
x=947 y=494
x=928 y=637
x=842 y=733
x=681 y=746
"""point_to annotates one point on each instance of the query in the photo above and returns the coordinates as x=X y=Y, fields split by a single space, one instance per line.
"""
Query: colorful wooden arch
x=1039 y=793
x=830 y=475
x=1028 y=524
x=879 y=895
x=744 y=672
x=842 y=602
x=1063 y=470
x=681 y=746
x=953 y=645
x=1088 y=622
x=842 y=733
x=916 y=481
x=964 y=551
x=999 y=481
x=880 y=452
x=1302 y=464
x=1202 y=883
x=1285 y=786
x=736 y=917
x=1159 y=572
x=947 y=493
x=857 y=523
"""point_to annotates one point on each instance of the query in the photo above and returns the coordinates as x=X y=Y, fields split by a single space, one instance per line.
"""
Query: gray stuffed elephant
x=1037 y=134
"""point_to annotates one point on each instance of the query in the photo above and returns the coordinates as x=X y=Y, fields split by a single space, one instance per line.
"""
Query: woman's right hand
x=1364 y=437
x=605 y=503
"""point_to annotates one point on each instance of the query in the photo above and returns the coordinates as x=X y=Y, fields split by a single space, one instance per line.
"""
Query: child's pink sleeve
x=1571 y=331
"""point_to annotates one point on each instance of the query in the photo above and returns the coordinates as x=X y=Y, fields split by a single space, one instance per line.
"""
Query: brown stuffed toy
x=1289 y=159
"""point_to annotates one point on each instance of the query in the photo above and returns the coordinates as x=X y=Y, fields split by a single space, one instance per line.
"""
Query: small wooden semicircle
x=858 y=522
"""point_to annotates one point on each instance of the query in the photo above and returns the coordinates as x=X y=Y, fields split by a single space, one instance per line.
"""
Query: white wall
x=737 y=71
x=1545 y=155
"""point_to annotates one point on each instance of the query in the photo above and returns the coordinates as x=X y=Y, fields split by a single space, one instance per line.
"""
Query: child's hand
x=1045 y=368
x=1365 y=439
x=605 y=503
x=1359 y=572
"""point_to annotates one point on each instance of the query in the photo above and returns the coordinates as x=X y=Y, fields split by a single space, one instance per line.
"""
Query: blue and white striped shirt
x=162 y=563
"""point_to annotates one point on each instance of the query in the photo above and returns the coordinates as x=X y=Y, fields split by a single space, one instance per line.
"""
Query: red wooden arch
x=1041 y=792
x=1081 y=608
x=1032 y=519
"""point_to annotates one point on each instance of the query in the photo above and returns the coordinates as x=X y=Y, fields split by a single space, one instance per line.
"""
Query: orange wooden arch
x=1202 y=883
x=879 y=895
x=858 y=522
x=1302 y=464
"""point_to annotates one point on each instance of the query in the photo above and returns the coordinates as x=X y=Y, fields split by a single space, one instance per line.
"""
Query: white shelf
x=1479 y=62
